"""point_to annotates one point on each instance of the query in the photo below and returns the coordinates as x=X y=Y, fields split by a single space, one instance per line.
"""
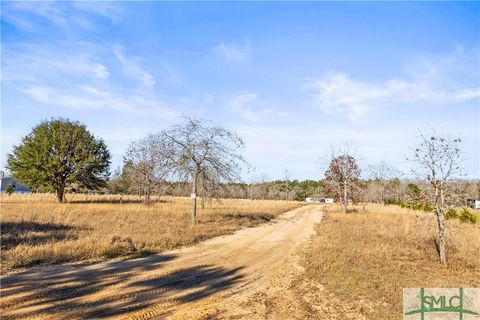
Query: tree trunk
x=441 y=225
x=441 y=236
x=344 y=202
x=146 y=196
x=60 y=194
x=286 y=191
x=194 y=200
x=147 y=188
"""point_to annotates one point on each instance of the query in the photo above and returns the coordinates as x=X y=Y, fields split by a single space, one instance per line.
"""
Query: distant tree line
x=406 y=192
x=120 y=183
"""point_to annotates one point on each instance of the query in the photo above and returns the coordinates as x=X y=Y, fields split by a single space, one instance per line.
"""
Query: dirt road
x=247 y=275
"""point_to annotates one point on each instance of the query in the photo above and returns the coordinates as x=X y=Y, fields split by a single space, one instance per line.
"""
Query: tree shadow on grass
x=75 y=292
x=34 y=233
x=114 y=201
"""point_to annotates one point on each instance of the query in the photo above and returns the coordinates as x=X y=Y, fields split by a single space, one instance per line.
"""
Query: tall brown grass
x=364 y=258
x=37 y=230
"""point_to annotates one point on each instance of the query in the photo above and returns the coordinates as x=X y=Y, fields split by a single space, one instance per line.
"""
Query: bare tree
x=342 y=175
x=146 y=163
x=385 y=176
x=203 y=155
x=438 y=161
x=258 y=185
x=286 y=177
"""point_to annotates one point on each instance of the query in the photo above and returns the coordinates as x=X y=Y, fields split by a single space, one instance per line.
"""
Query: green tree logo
x=441 y=304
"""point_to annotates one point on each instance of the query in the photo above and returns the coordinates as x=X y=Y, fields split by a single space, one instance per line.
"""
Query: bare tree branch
x=438 y=161
x=205 y=156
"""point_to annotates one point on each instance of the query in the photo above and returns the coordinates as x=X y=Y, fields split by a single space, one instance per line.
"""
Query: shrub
x=10 y=189
x=466 y=215
x=119 y=247
x=451 y=214
x=427 y=207
x=416 y=206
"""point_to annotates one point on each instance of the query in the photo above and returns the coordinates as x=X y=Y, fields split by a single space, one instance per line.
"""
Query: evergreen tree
x=59 y=153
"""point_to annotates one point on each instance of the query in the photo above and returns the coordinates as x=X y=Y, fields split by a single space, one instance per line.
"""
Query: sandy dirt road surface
x=247 y=275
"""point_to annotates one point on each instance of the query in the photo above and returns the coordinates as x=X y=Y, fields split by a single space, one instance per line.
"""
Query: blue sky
x=291 y=78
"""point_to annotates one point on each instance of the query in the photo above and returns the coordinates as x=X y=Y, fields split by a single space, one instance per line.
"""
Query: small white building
x=319 y=200
x=473 y=203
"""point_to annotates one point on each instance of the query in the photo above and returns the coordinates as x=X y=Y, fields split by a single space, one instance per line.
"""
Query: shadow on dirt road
x=76 y=292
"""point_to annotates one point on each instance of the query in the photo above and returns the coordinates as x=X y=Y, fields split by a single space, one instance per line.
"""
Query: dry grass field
x=37 y=230
x=358 y=263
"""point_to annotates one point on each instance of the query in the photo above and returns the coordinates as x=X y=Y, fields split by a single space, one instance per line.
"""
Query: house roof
x=6 y=181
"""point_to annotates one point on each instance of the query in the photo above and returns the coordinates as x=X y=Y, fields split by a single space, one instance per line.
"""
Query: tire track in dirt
x=225 y=277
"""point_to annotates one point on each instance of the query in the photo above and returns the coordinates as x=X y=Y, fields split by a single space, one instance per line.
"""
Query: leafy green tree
x=120 y=182
x=466 y=215
x=59 y=153
x=414 y=192
x=10 y=189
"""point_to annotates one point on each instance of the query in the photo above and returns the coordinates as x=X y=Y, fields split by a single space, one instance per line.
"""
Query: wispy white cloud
x=426 y=80
x=16 y=20
x=87 y=97
x=49 y=10
x=77 y=80
x=31 y=62
x=132 y=66
x=171 y=74
x=100 y=70
x=64 y=15
x=337 y=93
x=250 y=107
x=231 y=52
x=107 y=9
x=306 y=142
x=239 y=104
x=208 y=98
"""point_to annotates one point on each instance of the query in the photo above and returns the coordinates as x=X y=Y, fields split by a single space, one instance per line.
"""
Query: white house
x=319 y=200
x=473 y=203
